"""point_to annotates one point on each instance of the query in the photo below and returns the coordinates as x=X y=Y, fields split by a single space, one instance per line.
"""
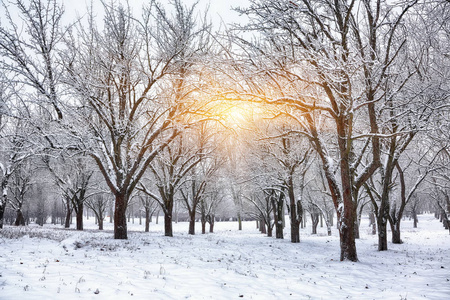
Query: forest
x=307 y=111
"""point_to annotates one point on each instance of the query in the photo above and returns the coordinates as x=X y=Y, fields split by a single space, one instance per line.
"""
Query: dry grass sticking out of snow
x=53 y=263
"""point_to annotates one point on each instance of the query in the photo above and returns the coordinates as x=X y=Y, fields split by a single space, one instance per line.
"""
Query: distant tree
x=99 y=203
x=169 y=171
x=19 y=189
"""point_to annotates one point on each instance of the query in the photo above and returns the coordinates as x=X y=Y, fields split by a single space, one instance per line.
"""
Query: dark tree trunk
x=120 y=218
x=20 y=220
x=168 y=229
x=346 y=227
x=100 y=223
x=314 y=221
x=147 y=219
x=382 y=234
x=192 y=222
x=295 y=231
x=80 y=208
x=211 y=219
x=2 y=213
x=203 y=226
x=262 y=226
x=277 y=204
x=68 y=218
x=295 y=213
x=396 y=238
x=269 y=230
x=191 y=227
x=239 y=221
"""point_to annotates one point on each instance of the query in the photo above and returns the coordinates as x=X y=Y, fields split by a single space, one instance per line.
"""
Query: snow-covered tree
x=120 y=75
x=326 y=65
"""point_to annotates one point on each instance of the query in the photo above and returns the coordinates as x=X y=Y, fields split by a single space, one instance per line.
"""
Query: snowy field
x=53 y=263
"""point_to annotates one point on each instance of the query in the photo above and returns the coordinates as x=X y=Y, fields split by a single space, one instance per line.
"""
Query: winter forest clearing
x=53 y=263
x=271 y=114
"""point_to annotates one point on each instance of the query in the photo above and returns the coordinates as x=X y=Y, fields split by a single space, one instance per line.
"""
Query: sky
x=219 y=9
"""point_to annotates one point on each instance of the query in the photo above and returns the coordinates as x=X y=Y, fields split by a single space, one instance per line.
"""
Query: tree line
x=335 y=108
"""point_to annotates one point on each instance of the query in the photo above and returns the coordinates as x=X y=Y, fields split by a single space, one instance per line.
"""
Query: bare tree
x=326 y=65
x=119 y=75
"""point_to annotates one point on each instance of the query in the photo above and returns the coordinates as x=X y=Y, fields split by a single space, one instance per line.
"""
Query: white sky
x=219 y=9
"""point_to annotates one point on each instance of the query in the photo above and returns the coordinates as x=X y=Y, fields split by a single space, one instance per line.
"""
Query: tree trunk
x=120 y=217
x=295 y=213
x=315 y=222
x=269 y=230
x=168 y=230
x=239 y=221
x=100 y=222
x=80 y=208
x=203 y=226
x=396 y=239
x=20 y=220
x=295 y=232
x=357 y=228
x=416 y=220
x=211 y=219
x=372 y=223
x=2 y=213
x=192 y=222
x=382 y=234
x=68 y=218
x=147 y=219
x=262 y=226
x=191 y=227
x=277 y=204
x=347 y=223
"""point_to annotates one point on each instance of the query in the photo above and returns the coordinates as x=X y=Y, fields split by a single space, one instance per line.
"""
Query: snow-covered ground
x=53 y=263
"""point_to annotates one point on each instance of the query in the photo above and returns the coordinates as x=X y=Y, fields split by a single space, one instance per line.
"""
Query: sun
x=235 y=114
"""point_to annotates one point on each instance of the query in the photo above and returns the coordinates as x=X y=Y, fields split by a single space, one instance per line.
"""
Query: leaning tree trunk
x=120 y=218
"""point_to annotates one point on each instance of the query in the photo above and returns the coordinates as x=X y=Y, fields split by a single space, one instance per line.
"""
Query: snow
x=54 y=263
